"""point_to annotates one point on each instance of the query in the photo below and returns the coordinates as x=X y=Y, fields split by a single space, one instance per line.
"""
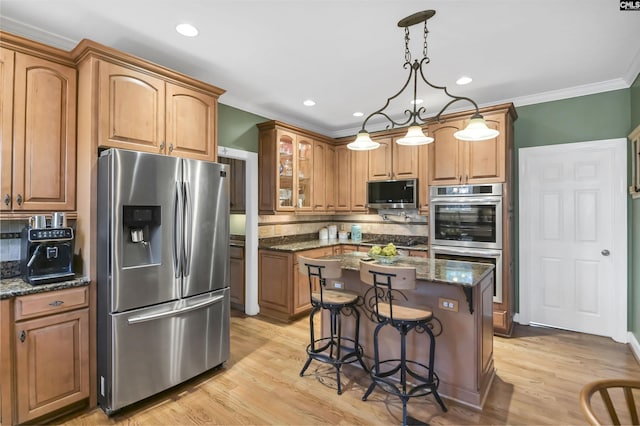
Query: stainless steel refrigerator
x=163 y=273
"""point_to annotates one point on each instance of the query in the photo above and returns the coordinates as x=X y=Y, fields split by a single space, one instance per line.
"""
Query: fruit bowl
x=385 y=260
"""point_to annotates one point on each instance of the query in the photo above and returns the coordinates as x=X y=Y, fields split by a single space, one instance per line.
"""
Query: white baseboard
x=635 y=346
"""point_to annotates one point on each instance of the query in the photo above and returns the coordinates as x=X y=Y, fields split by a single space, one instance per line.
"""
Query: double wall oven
x=465 y=223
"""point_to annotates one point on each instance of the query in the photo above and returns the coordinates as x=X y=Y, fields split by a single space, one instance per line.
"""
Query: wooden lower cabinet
x=46 y=354
x=237 y=279
x=283 y=291
x=52 y=363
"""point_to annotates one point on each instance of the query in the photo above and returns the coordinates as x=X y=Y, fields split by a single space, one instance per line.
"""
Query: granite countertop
x=464 y=274
x=12 y=287
x=313 y=244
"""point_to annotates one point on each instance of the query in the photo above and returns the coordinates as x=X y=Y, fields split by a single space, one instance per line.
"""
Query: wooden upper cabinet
x=320 y=182
x=304 y=177
x=342 y=178
x=329 y=178
x=44 y=135
x=485 y=160
x=405 y=161
x=359 y=175
x=293 y=170
x=190 y=122
x=380 y=160
x=445 y=154
x=423 y=178
x=6 y=126
x=145 y=112
x=393 y=161
x=456 y=162
x=131 y=108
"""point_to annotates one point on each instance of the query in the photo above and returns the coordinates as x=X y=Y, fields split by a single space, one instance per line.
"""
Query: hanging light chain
x=407 y=52
x=426 y=32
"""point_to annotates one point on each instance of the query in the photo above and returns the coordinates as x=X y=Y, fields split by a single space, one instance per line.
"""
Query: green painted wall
x=237 y=129
x=634 y=250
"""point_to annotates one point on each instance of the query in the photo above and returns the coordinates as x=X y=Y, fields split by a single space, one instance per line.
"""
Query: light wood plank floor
x=539 y=374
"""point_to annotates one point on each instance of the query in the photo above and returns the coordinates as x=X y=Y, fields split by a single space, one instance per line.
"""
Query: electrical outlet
x=448 y=304
x=337 y=284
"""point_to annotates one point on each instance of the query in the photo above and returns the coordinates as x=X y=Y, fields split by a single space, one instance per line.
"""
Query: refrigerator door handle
x=159 y=315
x=177 y=231
x=188 y=231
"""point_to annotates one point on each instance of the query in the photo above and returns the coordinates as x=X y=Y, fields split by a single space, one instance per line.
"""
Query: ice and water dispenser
x=141 y=235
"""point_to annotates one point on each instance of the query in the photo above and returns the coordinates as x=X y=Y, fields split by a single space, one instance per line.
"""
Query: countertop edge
x=15 y=287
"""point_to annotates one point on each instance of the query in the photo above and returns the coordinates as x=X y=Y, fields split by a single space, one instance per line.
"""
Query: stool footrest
x=348 y=354
x=392 y=384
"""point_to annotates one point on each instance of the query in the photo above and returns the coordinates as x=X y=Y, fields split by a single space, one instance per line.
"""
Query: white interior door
x=573 y=237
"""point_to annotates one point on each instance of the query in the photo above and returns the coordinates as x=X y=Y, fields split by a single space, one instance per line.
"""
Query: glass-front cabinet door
x=286 y=165
x=305 y=173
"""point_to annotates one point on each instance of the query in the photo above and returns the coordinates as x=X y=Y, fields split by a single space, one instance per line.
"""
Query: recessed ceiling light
x=464 y=80
x=187 y=30
x=309 y=102
x=416 y=101
x=358 y=114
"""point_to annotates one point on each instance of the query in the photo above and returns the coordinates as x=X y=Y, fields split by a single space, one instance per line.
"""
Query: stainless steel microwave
x=392 y=194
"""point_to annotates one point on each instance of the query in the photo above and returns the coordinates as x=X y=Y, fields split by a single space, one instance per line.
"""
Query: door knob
x=605 y=252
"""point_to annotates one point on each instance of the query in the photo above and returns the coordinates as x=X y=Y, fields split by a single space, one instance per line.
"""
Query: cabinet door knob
x=23 y=336
x=161 y=146
x=7 y=199
x=170 y=148
x=19 y=199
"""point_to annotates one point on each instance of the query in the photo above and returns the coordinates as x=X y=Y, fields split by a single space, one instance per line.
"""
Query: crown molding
x=36 y=34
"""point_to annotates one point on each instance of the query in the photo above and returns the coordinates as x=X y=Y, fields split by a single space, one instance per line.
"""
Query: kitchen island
x=460 y=294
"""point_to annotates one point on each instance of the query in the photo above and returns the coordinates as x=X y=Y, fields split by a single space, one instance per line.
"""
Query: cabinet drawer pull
x=19 y=199
x=7 y=199
x=23 y=336
x=56 y=303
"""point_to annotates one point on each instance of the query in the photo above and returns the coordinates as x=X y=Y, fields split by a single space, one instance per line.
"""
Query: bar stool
x=334 y=349
x=385 y=280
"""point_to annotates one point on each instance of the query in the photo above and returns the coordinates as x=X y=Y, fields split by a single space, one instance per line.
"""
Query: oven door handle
x=466 y=251
x=467 y=200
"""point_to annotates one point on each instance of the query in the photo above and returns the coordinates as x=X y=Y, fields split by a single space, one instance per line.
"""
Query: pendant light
x=476 y=130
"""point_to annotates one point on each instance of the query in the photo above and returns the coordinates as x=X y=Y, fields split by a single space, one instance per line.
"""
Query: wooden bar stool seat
x=400 y=376
x=333 y=349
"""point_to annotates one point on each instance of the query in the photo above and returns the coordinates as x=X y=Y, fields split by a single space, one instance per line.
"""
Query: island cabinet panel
x=38 y=133
x=464 y=336
x=302 y=296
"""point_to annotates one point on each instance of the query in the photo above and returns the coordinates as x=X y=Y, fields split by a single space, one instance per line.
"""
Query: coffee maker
x=46 y=254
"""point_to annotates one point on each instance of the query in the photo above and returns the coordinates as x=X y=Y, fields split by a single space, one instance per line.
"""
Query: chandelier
x=476 y=130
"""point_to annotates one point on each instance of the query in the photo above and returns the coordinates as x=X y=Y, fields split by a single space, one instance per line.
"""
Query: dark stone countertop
x=313 y=244
x=453 y=272
x=13 y=287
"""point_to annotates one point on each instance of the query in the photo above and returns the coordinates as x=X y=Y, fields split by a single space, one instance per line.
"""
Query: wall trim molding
x=634 y=346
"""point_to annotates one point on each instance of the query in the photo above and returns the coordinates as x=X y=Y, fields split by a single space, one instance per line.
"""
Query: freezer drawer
x=158 y=347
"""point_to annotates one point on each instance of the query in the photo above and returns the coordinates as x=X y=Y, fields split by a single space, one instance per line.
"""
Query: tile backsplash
x=10 y=239
x=287 y=225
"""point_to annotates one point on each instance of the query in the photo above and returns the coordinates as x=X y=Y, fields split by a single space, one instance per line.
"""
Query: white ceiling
x=348 y=55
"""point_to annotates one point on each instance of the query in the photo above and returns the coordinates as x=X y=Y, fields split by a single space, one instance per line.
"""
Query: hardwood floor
x=540 y=372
